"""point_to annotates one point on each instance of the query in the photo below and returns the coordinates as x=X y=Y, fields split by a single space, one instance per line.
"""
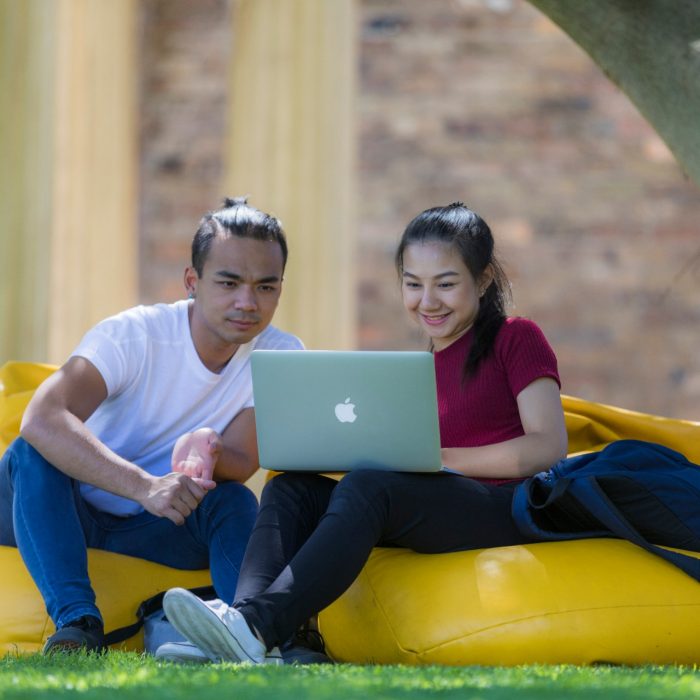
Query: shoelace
x=309 y=638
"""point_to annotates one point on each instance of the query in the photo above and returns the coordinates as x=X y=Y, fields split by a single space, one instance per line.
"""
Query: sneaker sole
x=181 y=653
x=193 y=619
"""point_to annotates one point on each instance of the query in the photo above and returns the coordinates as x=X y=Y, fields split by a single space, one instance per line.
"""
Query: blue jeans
x=43 y=514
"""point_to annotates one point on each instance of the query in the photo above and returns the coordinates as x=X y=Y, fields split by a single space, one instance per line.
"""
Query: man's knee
x=15 y=454
x=21 y=458
x=231 y=497
x=7 y=533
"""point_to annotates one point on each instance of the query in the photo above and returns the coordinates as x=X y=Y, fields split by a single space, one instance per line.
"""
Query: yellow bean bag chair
x=578 y=602
x=582 y=601
x=18 y=380
x=121 y=583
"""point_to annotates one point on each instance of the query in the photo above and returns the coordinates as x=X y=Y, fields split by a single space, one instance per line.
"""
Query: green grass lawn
x=129 y=675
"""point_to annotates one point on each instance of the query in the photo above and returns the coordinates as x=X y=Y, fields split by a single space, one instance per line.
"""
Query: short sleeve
x=525 y=354
x=113 y=346
x=274 y=339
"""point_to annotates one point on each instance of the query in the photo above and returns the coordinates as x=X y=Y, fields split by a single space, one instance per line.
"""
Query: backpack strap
x=148 y=607
x=589 y=493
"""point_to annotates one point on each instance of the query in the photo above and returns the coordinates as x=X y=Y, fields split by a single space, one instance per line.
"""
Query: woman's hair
x=459 y=226
x=235 y=218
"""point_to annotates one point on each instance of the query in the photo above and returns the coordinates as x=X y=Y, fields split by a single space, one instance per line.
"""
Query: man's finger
x=206 y=484
x=175 y=516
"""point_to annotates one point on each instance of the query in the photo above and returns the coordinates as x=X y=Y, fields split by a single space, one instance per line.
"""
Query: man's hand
x=175 y=496
x=195 y=454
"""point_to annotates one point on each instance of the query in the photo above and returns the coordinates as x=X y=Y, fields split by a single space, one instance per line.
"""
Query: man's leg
x=49 y=533
x=214 y=536
x=7 y=529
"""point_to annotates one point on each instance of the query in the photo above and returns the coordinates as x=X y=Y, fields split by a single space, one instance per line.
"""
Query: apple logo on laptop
x=345 y=412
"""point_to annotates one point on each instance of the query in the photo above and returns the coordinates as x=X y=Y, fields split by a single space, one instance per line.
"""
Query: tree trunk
x=651 y=50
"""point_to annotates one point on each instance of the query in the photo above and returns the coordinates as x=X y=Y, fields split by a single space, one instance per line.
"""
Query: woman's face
x=439 y=291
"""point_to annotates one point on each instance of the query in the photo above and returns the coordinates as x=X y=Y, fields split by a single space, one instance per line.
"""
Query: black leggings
x=313 y=535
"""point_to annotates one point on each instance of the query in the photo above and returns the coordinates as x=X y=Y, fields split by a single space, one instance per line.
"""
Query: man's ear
x=190 y=279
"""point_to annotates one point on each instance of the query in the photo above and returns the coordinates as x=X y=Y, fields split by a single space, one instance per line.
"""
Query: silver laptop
x=319 y=410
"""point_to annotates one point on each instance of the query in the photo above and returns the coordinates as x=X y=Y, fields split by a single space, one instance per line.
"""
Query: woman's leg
x=429 y=513
x=291 y=506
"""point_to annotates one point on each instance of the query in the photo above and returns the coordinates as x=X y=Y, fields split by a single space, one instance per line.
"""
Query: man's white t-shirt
x=158 y=389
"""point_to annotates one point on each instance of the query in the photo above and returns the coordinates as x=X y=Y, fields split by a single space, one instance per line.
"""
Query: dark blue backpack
x=634 y=490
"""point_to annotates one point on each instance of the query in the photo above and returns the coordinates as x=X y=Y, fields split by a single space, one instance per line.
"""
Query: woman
x=500 y=421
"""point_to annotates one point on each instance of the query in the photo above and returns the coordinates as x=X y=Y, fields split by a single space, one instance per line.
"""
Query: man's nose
x=246 y=298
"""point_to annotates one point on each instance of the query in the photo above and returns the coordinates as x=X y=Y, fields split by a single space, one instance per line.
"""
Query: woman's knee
x=295 y=486
x=367 y=483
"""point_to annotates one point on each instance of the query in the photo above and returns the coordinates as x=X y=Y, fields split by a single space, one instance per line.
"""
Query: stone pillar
x=291 y=147
x=68 y=182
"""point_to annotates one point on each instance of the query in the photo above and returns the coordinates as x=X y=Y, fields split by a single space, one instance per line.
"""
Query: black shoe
x=305 y=647
x=86 y=633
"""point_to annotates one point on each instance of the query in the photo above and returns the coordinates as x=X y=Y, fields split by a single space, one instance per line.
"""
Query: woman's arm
x=544 y=442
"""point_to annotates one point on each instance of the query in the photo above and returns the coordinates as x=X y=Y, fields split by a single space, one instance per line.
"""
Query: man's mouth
x=242 y=322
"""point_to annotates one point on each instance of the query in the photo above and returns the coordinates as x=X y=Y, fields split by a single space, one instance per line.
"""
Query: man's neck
x=214 y=356
x=216 y=363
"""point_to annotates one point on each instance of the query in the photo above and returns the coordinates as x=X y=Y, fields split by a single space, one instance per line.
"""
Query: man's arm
x=232 y=456
x=54 y=424
x=239 y=457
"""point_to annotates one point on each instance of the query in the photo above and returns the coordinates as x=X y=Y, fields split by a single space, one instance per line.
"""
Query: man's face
x=237 y=294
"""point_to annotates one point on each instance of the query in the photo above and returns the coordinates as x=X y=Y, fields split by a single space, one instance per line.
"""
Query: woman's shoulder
x=525 y=352
x=521 y=335
x=515 y=326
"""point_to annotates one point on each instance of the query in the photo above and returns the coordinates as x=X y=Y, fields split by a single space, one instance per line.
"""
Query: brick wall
x=484 y=101
x=185 y=49
x=490 y=103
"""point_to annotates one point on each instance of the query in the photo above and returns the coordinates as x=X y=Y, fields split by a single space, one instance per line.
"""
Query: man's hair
x=235 y=218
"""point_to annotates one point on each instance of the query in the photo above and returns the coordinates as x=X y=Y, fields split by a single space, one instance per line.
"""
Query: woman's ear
x=485 y=279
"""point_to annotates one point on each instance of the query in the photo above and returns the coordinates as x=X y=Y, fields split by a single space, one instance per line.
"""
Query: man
x=140 y=443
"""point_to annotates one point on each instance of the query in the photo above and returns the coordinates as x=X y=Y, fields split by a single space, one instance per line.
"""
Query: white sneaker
x=181 y=653
x=217 y=629
x=188 y=653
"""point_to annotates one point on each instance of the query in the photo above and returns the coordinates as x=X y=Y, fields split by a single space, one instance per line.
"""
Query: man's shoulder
x=274 y=339
x=146 y=316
